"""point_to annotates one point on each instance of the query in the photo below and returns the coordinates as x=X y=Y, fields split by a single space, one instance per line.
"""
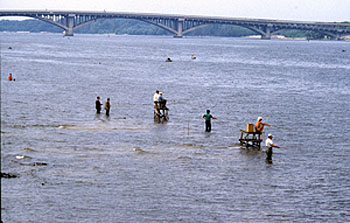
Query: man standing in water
x=207 y=118
x=98 y=105
x=155 y=97
x=269 y=144
x=259 y=126
x=107 y=106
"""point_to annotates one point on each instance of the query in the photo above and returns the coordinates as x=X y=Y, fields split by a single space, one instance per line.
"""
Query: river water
x=128 y=168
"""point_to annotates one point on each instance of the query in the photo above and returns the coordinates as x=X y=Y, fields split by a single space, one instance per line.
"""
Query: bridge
x=180 y=24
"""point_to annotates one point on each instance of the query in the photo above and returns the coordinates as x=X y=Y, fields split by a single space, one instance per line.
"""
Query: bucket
x=249 y=128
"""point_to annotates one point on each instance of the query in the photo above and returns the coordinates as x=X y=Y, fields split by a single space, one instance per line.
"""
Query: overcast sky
x=302 y=10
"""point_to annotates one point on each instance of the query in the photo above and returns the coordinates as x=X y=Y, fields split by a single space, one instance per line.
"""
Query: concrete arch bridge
x=180 y=24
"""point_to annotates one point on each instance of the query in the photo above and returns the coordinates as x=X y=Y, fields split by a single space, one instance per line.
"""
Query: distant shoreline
x=280 y=37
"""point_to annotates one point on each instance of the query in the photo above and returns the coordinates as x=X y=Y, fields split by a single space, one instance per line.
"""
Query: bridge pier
x=68 y=32
x=179 y=24
x=69 y=25
x=267 y=34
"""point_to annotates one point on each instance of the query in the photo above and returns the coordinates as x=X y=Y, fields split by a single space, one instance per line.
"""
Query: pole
x=188 y=127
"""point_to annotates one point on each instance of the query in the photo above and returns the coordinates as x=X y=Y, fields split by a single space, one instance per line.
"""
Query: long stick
x=188 y=127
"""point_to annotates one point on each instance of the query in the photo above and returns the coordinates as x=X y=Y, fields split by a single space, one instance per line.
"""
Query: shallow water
x=127 y=168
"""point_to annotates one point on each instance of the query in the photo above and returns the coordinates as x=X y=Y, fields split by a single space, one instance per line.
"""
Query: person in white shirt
x=155 y=97
x=269 y=144
x=156 y=104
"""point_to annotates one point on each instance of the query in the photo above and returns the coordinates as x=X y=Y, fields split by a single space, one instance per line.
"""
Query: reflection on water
x=128 y=168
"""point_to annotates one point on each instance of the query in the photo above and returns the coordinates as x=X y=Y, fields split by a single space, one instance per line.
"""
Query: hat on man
x=270 y=135
x=259 y=118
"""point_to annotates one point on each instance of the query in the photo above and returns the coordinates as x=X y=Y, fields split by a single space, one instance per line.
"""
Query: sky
x=300 y=10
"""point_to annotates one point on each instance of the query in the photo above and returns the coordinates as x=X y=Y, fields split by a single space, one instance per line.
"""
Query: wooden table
x=250 y=139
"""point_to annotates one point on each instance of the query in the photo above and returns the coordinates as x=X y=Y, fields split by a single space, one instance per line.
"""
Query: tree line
x=136 y=27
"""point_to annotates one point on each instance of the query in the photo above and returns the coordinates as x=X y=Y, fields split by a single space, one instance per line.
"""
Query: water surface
x=127 y=168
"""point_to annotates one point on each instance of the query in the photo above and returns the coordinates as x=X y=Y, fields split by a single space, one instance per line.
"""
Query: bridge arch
x=169 y=29
x=254 y=29
x=325 y=33
x=164 y=27
x=46 y=20
x=51 y=22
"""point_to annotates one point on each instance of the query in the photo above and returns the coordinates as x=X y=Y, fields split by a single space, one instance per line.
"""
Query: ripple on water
x=168 y=172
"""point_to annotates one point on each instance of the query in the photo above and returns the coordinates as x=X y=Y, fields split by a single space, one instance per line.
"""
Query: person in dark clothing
x=98 y=105
x=162 y=101
x=207 y=118
x=107 y=106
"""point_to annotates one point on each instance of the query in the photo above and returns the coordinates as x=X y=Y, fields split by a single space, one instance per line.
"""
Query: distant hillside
x=136 y=27
x=27 y=25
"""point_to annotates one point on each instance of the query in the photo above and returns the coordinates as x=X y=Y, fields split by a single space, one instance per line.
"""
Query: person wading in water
x=207 y=118
x=107 y=106
x=259 y=126
x=98 y=105
x=269 y=144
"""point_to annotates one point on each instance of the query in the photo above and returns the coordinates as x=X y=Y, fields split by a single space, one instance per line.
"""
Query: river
x=128 y=168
